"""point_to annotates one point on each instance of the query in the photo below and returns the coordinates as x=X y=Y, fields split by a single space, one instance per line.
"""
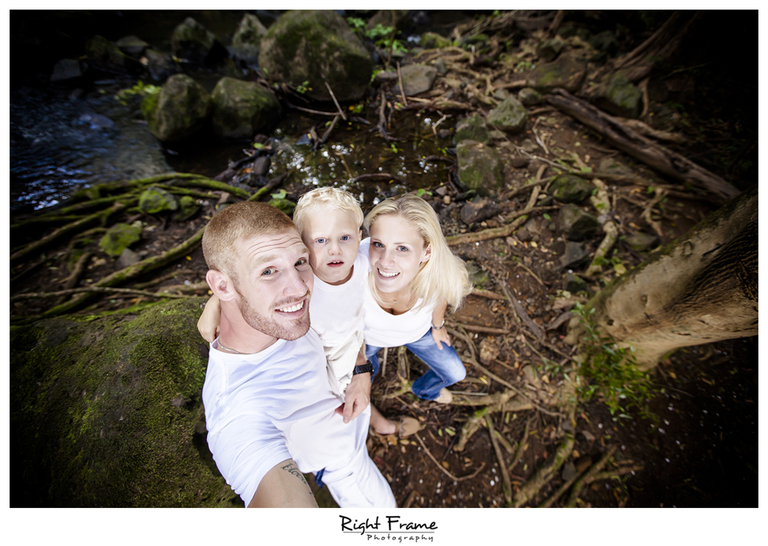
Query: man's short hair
x=326 y=196
x=236 y=222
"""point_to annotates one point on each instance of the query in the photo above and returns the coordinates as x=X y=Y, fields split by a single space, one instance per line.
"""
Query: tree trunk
x=699 y=289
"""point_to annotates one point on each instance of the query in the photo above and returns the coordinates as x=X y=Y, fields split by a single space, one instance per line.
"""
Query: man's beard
x=288 y=331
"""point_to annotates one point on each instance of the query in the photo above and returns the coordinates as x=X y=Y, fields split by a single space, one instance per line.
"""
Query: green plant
x=303 y=88
x=421 y=192
x=139 y=89
x=357 y=24
x=611 y=372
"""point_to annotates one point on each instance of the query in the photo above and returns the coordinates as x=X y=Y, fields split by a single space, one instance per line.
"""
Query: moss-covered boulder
x=242 y=109
x=316 y=46
x=193 y=42
x=577 y=224
x=569 y=188
x=510 y=115
x=119 y=237
x=246 y=42
x=479 y=167
x=155 y=200
x=529 y=96
x=433 y=40
x=619 y=96
x=548 y=50
x=567 y=72
x=188 y=207
x=179 y=111
x=133 y=46
x=472 y=128
x=107 y=412
x=105 y=55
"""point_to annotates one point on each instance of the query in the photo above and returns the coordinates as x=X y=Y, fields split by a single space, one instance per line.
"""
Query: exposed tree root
x=500 y=457
x=454 y=478
x=582 y=481
x=602 y=205
x=94 y=289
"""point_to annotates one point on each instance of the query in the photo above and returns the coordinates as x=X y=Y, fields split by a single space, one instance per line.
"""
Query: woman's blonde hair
x=326 y=196
x=444 y=276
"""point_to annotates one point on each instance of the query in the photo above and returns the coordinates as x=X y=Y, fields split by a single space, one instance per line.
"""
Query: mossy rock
x=433 y=40
x=246 y=42
x=119 y=237
x=188 y=207
x=479 y=167
x=102 y=53
x=619 y=96
x=510 y=115
x=472 y=128
x=179 y=111
x=107 y=412
x=529 y=96
x=569 y=188
x=314 y=47
x=566 y=72
x=195 y=43
x=642 y=242
x=578 y=225
x=242 y=109
x=154 y=200
x=548 y=50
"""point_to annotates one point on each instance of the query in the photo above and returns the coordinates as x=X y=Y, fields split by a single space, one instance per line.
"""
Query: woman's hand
x=208 y=324
x=441 y=336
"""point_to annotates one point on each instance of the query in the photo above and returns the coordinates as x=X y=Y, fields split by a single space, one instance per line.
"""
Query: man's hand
x=208 y=324
x=357 y=397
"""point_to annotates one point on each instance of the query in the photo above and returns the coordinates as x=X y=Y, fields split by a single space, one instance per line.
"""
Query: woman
x=414 y=277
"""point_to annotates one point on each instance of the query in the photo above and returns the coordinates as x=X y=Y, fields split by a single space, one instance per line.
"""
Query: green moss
x=105 y=412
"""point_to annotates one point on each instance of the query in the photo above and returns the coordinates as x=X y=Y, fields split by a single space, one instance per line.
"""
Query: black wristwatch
x=364 y=368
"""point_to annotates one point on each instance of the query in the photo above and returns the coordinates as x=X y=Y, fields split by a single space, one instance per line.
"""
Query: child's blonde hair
x=444 y=276
x=326 y=196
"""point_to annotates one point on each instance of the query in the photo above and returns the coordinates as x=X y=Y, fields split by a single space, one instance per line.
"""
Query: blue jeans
x=445 y=366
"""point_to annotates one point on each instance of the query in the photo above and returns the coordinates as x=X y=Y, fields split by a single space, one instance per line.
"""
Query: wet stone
x=575 y=255
x=574 y=283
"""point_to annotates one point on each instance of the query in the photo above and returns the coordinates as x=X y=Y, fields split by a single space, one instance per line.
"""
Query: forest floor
x=698 y=448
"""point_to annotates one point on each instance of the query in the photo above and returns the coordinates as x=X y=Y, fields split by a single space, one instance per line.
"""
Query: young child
x=329 y=222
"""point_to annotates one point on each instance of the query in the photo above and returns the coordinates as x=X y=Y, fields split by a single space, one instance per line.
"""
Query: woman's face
x=396 y=253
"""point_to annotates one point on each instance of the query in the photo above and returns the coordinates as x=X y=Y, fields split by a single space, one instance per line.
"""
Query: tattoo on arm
x=292 y=469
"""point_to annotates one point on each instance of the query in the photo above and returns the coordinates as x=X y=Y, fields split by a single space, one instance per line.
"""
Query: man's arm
x=283 y=487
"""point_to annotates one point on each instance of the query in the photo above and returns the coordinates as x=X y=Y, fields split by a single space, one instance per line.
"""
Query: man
x=270 y=412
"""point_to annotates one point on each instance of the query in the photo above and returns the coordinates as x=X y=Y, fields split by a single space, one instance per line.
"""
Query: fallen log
x=643 y=149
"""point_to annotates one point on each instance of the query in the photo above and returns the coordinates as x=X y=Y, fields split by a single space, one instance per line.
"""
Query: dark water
x=64 y=138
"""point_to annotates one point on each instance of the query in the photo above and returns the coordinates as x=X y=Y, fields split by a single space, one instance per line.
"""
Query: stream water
x=64 y=138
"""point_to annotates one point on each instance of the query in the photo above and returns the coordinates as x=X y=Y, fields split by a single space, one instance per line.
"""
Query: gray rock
x=479 y=209
x=161 y=66
x=613 y=166
x=119 y=237
x=471 y=128
x=619 y=96
x=66 y=69
x=578 y=225
x=548 y=50
x=566 y=72
x=569 y=188
x=529 y=96
x=510 y=115
x=179 y=111
x=107 y=412
x=154 y=200
x=195 y=43
x=386 y=76
x=242 y=109
x=441 y=67
x=479 y=167
x=501 y=94
x=642 y=242
x=574 y=283
x=127 y=258
x=103 y=54
x=569 y=471
x=523 y=234
x=246 y=43
x=417 y=78
x=132 y=46
x=317 y=46
x=574 y=256
x=261 y=166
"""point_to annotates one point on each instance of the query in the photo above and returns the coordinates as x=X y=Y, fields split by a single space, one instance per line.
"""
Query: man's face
x=333 y=238
x=275 y=284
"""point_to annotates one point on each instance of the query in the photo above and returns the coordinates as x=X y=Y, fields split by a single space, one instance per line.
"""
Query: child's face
x=333 y=238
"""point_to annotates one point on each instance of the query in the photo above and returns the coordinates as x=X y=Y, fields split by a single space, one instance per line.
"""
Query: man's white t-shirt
x=264 y=408
x=383 y=329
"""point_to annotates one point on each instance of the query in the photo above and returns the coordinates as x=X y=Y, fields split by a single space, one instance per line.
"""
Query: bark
x=700 y=288
x=643 y=149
